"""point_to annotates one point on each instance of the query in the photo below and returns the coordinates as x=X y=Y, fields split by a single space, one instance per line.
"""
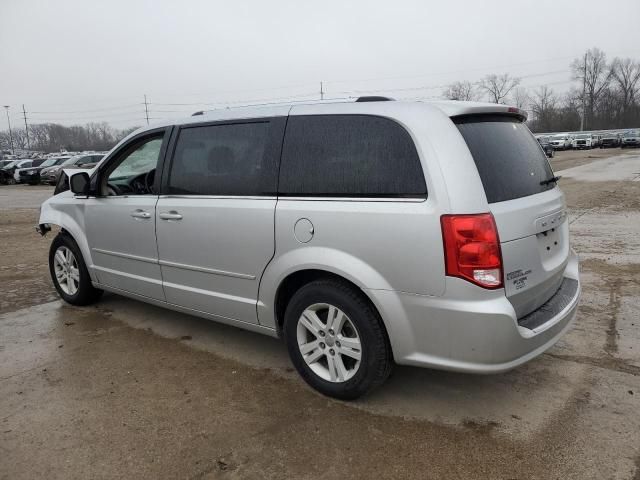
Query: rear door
x=215 y=219
x=529 y=210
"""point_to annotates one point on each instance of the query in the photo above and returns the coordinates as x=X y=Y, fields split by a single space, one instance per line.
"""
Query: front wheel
x=336 y=339
x=69 y=272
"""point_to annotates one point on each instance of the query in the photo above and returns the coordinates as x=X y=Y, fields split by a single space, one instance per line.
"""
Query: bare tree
x=626 y=75
x=521 y=97
x=594 y=74
x=498 y=87
x=544 y=105
x=460 y=91
x=51 y=137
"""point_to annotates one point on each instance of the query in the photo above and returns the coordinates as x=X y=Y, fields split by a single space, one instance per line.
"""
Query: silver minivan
x=363 y=233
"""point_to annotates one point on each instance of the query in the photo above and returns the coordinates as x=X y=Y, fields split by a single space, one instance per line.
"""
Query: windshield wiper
x=550 y=180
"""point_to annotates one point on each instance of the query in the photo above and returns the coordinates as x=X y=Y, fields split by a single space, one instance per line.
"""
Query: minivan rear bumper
x=470 y=329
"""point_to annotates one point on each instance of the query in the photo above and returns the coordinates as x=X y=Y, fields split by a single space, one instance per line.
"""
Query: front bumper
x=470 y=330
x=31 y=178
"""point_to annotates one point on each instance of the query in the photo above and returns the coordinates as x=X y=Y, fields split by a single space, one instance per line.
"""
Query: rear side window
x=510 y=161
x=225 y=159
x=349 y=156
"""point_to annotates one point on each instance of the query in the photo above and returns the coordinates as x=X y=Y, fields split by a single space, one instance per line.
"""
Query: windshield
x=70 y=161
x=11 y=164
x=583 y=136
x=510 y=162
x=560 y=137
x=631 y=134
x=48 y=163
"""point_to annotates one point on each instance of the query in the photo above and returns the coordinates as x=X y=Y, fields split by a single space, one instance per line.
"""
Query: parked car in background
x=35 y=162
x=610 y=141
x=6 y=173
x=275 y=219
x=85 y=161
x=546 y=146
x=32 y=175
x=582 y=141
x=631 y=139
x=561 y=142
x=59 y=160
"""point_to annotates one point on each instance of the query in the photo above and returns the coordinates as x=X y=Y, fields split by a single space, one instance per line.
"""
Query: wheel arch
x=69 y=225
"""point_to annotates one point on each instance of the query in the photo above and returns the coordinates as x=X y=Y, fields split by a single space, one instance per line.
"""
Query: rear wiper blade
x=550 y=180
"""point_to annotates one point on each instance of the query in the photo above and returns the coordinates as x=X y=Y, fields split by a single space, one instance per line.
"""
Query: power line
x=90 y=110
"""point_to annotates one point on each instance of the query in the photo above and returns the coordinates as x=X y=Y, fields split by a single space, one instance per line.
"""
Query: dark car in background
x=6 y=173
x=546 y=146
x=32 y=175
x=610 y=141
x=85 y=160
x=35 y=163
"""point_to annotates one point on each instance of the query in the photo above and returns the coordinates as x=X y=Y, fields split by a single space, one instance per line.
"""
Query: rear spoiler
x=496 y=110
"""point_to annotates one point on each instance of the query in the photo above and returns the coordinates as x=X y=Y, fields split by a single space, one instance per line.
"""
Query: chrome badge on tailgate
x=550 y=221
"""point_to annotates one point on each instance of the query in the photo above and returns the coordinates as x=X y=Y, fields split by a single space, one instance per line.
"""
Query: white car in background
x=560 y=142
x=583 y=141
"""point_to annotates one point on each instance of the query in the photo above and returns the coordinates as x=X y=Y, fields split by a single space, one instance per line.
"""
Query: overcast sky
x=98 y=59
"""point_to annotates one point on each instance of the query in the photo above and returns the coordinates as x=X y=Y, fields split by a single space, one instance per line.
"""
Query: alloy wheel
x=66 y=269
x=329 y=342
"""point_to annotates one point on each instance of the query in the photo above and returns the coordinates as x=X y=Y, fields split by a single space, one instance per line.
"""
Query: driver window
x=134 y=174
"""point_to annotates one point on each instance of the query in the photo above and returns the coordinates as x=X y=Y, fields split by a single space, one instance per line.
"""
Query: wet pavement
x=127 y=390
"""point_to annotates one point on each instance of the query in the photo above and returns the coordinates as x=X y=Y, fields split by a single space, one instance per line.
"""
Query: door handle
x=172 y=215
x=140 y=214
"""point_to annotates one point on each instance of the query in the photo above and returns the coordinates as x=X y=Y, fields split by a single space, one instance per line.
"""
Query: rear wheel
x=336 y=339
x=69 y=272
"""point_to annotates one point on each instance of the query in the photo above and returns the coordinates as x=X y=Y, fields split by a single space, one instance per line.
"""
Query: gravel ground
x=127 y=390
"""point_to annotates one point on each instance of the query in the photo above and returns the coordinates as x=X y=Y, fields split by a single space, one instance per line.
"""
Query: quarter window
x=224 y=159
x=349 y=155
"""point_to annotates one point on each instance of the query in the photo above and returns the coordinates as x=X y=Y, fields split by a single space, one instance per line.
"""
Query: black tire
x=376 y=360
x=86 y=293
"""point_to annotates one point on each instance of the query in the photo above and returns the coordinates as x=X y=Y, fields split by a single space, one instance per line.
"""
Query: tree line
x=52 y=137
x=605 y=95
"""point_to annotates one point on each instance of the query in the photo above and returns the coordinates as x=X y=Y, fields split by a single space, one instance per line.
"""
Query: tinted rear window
x=349 y=156
x=508 y=157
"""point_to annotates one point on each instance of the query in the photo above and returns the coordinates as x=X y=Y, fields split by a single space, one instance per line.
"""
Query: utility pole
x=26 y=127
x=321 y=91
x=10 y=134
x=146 y=109
x=584 y=89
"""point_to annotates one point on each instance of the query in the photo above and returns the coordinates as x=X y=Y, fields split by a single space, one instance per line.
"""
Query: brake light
x=472 y=249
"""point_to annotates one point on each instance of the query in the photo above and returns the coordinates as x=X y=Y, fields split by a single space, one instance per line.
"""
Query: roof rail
x=201 y=112
x=374 y=98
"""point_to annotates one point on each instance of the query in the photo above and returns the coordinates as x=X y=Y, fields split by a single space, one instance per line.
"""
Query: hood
x=48 y=169
x=30 y=169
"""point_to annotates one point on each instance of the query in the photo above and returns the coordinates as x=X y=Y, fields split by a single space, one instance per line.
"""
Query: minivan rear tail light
x=472 y=249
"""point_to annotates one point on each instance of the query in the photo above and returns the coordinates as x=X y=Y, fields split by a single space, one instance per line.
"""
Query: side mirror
x=79 y=183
